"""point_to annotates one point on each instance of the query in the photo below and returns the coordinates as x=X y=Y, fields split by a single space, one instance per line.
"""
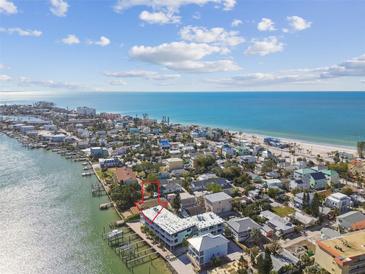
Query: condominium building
x=172 y=230
x=342 y=255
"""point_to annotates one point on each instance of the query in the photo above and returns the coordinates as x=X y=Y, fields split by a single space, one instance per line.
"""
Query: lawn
x=283 y=211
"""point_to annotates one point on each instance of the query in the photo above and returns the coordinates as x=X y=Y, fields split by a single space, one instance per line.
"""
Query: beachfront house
x=203 y=249
x=241 y=228
x=218 y=203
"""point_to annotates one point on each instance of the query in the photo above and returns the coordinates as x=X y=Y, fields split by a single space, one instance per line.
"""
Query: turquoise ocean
x=325 y=117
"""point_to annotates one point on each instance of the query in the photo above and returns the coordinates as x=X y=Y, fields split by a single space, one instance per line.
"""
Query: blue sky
x=182 y=45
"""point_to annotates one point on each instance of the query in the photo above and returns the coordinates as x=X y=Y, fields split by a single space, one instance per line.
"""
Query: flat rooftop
x=166 y=220
x=172 y=223
x=205 y=220
x=346 y=246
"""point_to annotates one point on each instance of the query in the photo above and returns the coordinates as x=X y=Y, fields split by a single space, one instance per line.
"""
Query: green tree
x=126 y=195
x=264 y=263
x=213 y=187
x=315 y=205
x=176 y=202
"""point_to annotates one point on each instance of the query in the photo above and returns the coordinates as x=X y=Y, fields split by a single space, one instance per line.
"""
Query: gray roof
x=243 y=224
x=348 y=219
x=282 y=259
x=216 y=197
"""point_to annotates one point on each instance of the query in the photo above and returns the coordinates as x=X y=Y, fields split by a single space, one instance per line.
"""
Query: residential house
x=108 y=163
x=174 y=163
x=339 y=201
x=298 y=199
x=203 y=249
x=203 y=184
x=282 y=260
x=219 y=202
x=187 y=200
x=280 y=225
x=299 y=184
x=241 y=228
x=125 y=175
x=316 y=179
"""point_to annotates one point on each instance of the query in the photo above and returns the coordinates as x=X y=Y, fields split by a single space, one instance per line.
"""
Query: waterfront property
x=342 y=255
x=203 y=249
x=125 y=175
x=172 y=230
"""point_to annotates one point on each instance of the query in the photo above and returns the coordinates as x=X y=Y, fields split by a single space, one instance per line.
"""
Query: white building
x=204 y=248
x=172 y=230
x=218 y=202
x=339 y=200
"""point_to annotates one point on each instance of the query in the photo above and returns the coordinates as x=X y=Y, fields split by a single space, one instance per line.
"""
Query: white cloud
x=118 y=83
x=224 y=65
x=182 y=56
x=362 y=81
x=59 y=7
x=22 y=32
x=170 y=5
x=71 y=39
x=354 y=67
x=298 y=23
x=266 y=24
x=25 y=81
x=159 y=17
x=4 y=77
x=146 y=74
x=216 y=36
x=229 y=4
x=236 y=23
x=265 y=46
x=196 y=15
x=8 y=7
x=103 y=41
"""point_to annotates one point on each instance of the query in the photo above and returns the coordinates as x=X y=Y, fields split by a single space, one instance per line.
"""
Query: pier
x=130 y=248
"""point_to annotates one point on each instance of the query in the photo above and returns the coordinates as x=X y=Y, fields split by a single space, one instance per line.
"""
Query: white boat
x=114 y=234
x=86 y=173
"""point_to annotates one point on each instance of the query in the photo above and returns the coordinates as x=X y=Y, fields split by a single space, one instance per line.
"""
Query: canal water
x=49 y=222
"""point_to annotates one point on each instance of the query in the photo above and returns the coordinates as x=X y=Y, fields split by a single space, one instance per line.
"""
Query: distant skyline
x=182 y=45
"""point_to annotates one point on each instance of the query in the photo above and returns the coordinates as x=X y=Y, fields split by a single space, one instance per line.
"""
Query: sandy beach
x=302 y=148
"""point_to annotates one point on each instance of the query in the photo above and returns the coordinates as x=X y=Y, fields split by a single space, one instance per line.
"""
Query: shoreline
x=247 y=133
